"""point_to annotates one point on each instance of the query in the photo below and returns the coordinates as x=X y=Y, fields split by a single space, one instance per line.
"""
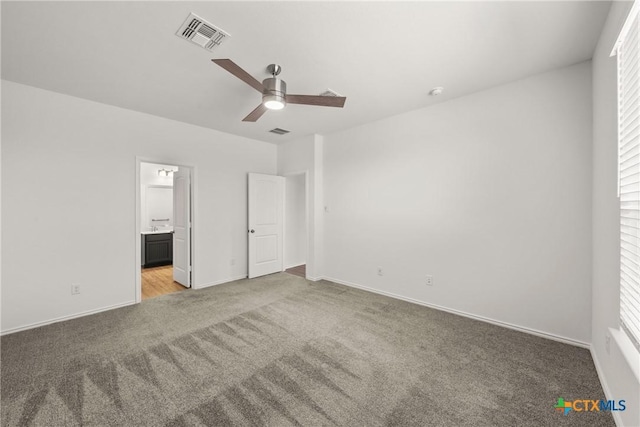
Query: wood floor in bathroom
x=158 y=281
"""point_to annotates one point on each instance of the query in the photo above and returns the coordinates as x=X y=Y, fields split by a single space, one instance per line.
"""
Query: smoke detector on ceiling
x=201 y=32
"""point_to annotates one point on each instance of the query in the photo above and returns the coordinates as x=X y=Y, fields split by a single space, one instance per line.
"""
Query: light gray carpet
x=282 y=351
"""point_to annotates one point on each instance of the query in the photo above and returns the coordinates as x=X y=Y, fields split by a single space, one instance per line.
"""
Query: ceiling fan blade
x=255 y=114
x=323 y=101
x=234 y=69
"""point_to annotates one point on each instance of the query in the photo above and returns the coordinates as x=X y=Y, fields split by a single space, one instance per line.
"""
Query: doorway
x=163 y=229
x=278 y=224
x=295 y=224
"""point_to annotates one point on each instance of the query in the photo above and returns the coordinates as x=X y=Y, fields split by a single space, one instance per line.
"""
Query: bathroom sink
x=160 y=230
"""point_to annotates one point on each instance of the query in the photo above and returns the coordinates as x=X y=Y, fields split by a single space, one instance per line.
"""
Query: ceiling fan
x=274 y=91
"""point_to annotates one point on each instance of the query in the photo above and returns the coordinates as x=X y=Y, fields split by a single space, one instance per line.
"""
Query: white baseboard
x=63 y=318
x=353 y=285
x=465 y=314
x=98 y=310
x=220 y=282
x=605 y=386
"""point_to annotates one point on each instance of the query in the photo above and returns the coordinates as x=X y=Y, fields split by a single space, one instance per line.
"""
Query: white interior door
x=182 y=227
x=266 y=224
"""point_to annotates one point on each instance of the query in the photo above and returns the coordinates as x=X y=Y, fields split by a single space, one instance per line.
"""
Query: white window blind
x=628 y=53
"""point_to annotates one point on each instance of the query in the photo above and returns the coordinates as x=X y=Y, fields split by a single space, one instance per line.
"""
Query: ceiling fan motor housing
x=275 y=89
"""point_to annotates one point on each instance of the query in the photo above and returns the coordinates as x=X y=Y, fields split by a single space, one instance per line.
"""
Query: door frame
x=307 y=217
x=138 y=219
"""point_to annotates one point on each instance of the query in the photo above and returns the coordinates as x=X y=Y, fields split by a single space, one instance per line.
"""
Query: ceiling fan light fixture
x=274 y=91
x=273 y=96
x=273 y=102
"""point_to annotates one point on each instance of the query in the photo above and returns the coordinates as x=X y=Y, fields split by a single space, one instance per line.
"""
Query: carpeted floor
x=282 y=351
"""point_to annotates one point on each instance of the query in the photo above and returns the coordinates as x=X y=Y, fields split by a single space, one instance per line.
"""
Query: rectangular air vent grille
x=329 y=92
x=202 y=33
x=280 y=131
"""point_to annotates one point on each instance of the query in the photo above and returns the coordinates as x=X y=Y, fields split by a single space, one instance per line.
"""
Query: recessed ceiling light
x=436 y=91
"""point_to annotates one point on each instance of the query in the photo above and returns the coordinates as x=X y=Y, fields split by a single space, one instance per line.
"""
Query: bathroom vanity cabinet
x=157 y=249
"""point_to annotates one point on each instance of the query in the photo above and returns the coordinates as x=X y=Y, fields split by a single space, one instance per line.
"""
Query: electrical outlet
x=380 y=273
x=429 y=281
x=607 y=343
x=75 y=289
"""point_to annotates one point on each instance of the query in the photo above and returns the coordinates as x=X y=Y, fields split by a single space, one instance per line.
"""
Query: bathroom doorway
x=164 y=225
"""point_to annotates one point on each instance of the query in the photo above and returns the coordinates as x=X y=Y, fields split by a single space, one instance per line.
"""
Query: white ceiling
x=383 y=56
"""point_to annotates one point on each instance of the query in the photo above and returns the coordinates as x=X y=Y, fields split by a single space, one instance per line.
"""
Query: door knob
x=252 y=230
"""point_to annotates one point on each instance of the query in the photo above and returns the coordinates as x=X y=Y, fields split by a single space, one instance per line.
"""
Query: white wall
x=489 y=193
x=295 y=221
x=75 y=222
x=617 y=376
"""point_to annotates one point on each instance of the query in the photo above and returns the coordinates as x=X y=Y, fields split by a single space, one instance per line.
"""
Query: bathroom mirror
x=159 y=206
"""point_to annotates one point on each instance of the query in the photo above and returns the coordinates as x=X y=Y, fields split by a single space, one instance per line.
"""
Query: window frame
x=629 y=285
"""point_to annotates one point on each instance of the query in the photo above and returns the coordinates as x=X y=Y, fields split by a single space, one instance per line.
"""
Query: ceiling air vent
x=329 y=92
x=280 y=131
x=201 y=32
